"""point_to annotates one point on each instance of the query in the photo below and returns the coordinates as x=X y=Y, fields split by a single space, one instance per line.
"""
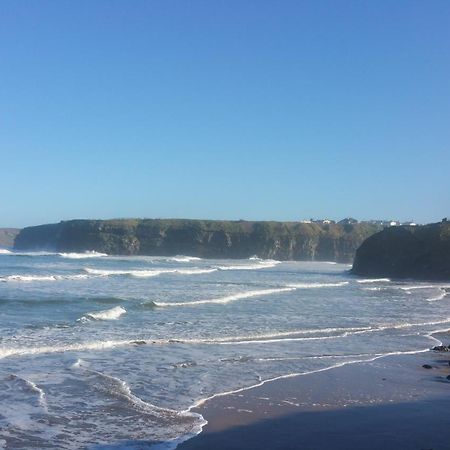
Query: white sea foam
x=396 y=326
x=250 y=294
x=107 y=314
x=113 y=386
x=283 y=334
x=78 y=363
x=148 y=273
x=31 y=278
x=26 y=400
x=317 y=285
x=414 y=287
x=4 y=251
x=263 y=264
x=36 y=389
x=374 y=280
x=182 y=258
x=106 y=273
x=228 y=298
x=88 y=254
x=299 y=335
x=36 y=253
x=195 y=271
x=440 y=296
x=28 y=278
x=80 y=346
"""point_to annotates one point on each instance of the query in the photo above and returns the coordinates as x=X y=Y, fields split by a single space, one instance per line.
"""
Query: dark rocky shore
x=420 y=252
x=201 y=238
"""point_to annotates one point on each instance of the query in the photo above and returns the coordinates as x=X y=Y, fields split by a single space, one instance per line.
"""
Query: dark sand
x=391 y=403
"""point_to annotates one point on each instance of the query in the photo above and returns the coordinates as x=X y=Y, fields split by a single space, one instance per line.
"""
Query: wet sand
x=390 y=403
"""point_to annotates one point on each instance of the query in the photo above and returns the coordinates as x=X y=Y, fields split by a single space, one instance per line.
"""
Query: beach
x=390 y=403
x=160 y=343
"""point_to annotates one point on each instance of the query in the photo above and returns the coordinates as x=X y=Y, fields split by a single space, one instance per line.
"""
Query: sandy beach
x=390 y=403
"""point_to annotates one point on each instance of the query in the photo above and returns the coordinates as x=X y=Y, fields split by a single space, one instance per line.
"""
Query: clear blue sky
x=231 y=109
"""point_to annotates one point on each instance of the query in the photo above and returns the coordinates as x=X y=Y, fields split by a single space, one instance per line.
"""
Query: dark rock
x=448 y=377
x=440 y=348
x=139 y=342
x=427 y=366
x=202 y=238
x=418 y=252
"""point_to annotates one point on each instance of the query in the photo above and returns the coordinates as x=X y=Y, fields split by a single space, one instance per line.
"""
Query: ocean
x=114 y=352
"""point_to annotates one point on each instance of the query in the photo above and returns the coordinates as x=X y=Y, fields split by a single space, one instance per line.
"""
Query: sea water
x=109 y=352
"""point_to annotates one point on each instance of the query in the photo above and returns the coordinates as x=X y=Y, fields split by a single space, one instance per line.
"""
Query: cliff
x=202 y=238
x=7 y=236
x=420 y=252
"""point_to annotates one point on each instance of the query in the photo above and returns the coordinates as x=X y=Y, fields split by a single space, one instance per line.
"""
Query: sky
x=224 y=109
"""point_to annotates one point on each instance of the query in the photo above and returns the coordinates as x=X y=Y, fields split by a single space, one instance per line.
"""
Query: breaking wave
x=250 y=294
x=88 y=254
x=147 y=273
x=228 y=298
x=317 y=285
x=263 y=264
x=440 y=296
x=374 y=280
x=81 y=346
x=107 y=314
x=4 y=251
x=30 y=278
x=183 y=259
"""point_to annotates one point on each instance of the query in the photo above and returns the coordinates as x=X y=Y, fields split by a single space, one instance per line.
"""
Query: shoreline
x=282 y=412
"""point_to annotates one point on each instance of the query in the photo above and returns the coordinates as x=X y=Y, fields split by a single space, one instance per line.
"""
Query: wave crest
x=106 y=314
x=87 y=254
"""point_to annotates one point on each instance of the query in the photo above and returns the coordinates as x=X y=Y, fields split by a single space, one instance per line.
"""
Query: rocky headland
x=201 y=238
x=419 y=252
x=7 y=236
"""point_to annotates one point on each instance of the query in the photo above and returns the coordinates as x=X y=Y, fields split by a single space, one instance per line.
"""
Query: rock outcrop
x=419 y=252
x=202 y=238
x=7 y=236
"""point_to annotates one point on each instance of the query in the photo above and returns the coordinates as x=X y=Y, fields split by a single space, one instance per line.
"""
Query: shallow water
x=112 y=352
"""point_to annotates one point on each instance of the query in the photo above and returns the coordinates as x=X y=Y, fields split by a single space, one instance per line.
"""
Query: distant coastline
x=307 y=240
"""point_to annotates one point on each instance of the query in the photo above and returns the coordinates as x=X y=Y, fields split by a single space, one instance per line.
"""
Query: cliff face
x=421 y=252
x=207 y=239
x=7 y=236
